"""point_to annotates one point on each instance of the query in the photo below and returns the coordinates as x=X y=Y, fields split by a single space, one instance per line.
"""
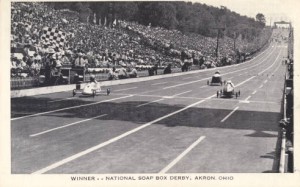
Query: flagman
x=80 y=62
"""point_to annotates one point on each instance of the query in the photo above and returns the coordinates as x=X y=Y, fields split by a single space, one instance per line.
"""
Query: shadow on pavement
x=127 y=111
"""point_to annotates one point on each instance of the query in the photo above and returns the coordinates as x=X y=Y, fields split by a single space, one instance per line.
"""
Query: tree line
x=183 y=16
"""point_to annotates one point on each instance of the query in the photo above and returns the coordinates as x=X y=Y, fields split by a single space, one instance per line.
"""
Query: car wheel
x=74 y=93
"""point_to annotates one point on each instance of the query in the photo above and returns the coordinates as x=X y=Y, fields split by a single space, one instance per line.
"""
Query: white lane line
x=125 y=89
x=68 y=108
x=248 y=98
x=276 y=69
x=240 y=74
x=245 y=81
x=271 y=64
x=185 y=83
x=161 y=96
x=265 y=102
x=164 y=97
x=244 y=101
x=203 y=86
x=64 y=126
x=159 y=83
x=180 y=93
x=61 y=99
x=265 y=81
x=179 y=157
x=226 y=117
x=94 y=148
x=261 y=86
x=149 y=103
x=254 y=92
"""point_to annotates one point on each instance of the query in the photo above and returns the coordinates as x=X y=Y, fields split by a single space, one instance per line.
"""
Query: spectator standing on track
x=122 y=73
x=112 y=74
x=133 y=72
x=155 y=68
x=168 y=69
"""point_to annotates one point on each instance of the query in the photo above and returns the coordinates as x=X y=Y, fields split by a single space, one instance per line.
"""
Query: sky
x=274 y=10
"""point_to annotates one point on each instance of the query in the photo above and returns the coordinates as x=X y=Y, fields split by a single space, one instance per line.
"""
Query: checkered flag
x=54 y=35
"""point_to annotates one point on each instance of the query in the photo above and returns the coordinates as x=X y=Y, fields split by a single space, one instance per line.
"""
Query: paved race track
x=170 y=125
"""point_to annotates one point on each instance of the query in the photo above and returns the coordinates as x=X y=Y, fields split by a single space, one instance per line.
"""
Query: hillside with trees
x=183 y=16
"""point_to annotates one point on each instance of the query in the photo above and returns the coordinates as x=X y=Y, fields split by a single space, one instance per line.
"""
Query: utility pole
x=234 y=39
x=218 y=36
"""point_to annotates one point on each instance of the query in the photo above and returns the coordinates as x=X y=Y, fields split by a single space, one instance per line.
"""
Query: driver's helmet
x=218 y=72
x=92 y=78
x=229 y=83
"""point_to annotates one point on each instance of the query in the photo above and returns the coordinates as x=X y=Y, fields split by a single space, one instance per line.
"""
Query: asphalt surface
x=170 y=125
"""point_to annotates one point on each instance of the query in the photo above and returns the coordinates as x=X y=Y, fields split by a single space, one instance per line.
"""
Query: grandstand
x=127 y=44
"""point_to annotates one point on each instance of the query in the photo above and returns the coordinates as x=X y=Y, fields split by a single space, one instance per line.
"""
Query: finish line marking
x=177 y=159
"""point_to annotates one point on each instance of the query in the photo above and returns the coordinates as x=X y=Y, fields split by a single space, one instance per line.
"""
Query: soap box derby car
x=92 y=88
x=228 y=91
x=216 y=79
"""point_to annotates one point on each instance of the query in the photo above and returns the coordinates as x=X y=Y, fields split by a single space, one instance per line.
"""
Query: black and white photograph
x=131 y=91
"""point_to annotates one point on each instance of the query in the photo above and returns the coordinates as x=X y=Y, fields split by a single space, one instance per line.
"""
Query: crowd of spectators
x=95 y=46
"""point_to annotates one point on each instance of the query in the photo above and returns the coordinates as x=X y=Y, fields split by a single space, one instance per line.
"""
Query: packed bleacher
x=49 y=39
